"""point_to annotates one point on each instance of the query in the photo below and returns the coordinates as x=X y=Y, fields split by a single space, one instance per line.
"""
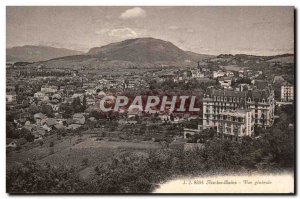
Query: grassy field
x=233 y=68
x=72 y=150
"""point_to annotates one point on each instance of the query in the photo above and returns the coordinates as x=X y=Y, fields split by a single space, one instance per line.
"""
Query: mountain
x=143 y=50
x=285 y=58
x=199 y=57
x=30 y=53
x=131 y=53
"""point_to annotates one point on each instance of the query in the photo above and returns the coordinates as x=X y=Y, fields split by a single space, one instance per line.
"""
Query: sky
x=205 y=30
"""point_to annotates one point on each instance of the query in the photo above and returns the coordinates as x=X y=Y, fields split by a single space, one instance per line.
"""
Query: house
x=187 y=132
x=24 y=115
x=229 y=74
x=287 y=92
x=56 y=98
x=218 y=73
x=49 y=89
x=29 y=126
x=49 y=124
x=39 y=95
x=78 y=95
x=164 y=117
x=11 y=97
x=39 y=131
x=242 y=73
x=59 y=126
x=74 y=126
x=40 y=118
x=278 y=79
x=225 y=82
x=79 y=118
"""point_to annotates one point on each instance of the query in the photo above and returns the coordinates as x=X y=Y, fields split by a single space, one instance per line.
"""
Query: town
x=42 y=101
x=78 y=118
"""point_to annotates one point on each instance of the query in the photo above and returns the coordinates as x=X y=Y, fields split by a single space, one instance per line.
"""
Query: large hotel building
x=238 y=112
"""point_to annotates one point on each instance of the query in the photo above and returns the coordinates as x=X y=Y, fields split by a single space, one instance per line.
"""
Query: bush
x=85 y=162
x=51 y=144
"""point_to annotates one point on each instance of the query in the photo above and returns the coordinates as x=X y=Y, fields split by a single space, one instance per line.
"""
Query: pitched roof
x=51 y=122
x=40 y=115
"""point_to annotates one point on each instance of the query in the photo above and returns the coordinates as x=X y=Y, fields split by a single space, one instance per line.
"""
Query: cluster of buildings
x=237 y=110
x=230 y=108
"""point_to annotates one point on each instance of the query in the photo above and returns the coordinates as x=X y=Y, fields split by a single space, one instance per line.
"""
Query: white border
x=4 y=3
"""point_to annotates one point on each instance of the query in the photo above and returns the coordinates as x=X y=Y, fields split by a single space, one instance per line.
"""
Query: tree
x=34 y=178
x=76 y=104
x=85 y=162
x=51 y=144
x=47 y=110
x=84 y=105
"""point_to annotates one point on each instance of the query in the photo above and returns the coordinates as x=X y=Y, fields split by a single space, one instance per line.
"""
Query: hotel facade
x=226 y=110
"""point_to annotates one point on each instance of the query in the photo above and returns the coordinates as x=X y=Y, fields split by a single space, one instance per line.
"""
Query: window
x=218 y=98
x=225 y=99
x=249 y=99
x=234 y=99
x=263 y=100
x=230 y=99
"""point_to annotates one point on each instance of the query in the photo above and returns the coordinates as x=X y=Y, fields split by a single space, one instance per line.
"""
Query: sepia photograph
x=150 y=100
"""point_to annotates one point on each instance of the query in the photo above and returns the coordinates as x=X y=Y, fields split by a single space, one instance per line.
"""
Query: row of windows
x=233 y=99
x=224 y=117
x=219 y=110
x=230 y=99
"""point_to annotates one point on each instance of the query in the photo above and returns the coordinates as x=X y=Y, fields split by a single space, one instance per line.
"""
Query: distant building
x=278 y=79
x=225 y=82
x=189 y=132
x=287 y=92
x=11 y=97
x=40 y=118
x=39 y=95
x=198 y=73
x=229 y=74
x=78 y=118
x=49 y=89
x=218 y=73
